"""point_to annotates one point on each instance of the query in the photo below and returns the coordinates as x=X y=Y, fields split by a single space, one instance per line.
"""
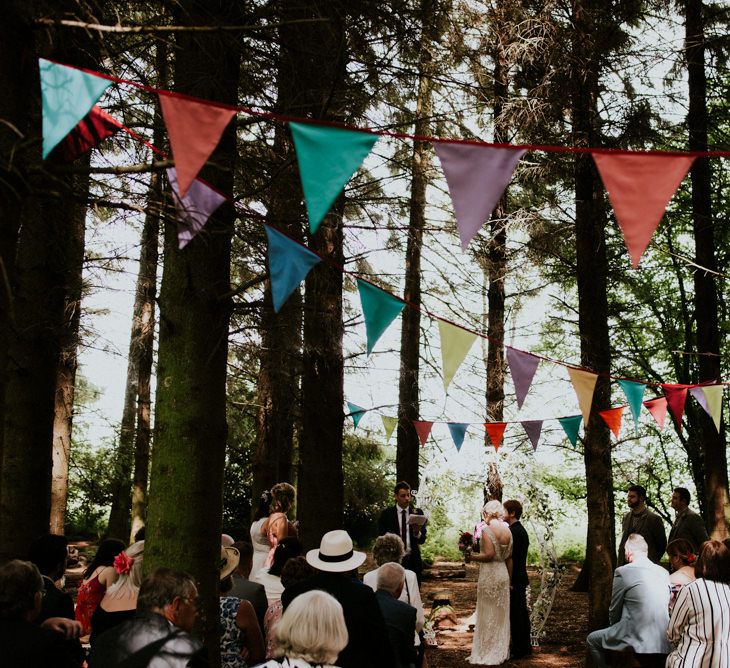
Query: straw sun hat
x=335 y=553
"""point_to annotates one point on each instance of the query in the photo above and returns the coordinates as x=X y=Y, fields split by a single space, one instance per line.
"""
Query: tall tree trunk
x=717 y=500
x=185 y=501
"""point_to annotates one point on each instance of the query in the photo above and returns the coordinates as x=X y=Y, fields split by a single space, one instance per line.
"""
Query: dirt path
x=564 y=634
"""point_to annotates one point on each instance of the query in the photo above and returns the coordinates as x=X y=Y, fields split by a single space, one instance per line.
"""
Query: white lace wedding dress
x=490 y=646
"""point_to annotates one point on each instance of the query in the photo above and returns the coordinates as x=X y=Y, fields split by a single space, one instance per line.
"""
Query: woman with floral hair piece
x=682 y=561
x=272 y=524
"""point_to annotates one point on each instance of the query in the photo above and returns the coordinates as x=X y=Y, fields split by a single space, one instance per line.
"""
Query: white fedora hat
x=335 y=553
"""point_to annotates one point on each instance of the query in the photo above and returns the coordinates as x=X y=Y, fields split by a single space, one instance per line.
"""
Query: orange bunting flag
x=584 y=384
x=658 y=409
x=423 y=429
x=495 y=430
x=194 y=129
x=640 y=187
x=676 y=396
x=612 y=418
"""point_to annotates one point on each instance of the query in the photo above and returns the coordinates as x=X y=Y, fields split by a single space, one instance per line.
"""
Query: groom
x=519 y=617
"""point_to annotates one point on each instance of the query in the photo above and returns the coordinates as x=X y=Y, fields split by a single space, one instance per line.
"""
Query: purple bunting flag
x=533 y=429
x=699 y=394
x=522 y=366
x=194 y=208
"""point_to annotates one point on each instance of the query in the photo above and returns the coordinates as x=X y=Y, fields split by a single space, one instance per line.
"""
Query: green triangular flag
x=570 y=426
x=327 y=158
x=379 y=308
x=356 y=413
x=389 y=424
x=635 y=394
x=67 y=95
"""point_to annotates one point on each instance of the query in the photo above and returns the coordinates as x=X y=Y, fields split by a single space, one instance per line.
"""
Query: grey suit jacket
x=639 y=609
x=689 y=525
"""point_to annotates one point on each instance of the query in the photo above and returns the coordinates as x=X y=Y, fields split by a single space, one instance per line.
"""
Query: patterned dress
x=232 y=638
x=88 y=597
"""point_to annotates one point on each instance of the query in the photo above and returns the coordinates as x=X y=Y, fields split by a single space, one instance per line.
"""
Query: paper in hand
x=417 y=520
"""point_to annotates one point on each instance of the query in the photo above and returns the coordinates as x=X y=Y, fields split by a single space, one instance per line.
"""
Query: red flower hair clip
x=123 y=563
x=691 y=558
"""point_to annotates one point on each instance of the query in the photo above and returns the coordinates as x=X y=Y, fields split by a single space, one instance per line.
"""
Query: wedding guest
x=270 y=578
x=682 y=565
x=640 y=520
x=519 y=616
x=49 y=553
x=687 y=523
x=400 y=618
x=246 y=589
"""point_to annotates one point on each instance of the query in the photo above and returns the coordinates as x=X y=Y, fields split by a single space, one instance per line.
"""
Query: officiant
x=408 y=522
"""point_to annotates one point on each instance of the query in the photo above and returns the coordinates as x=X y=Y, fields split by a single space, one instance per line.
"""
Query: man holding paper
x=407 y=522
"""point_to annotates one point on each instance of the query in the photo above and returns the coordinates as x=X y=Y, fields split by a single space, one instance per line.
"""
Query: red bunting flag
x=640 y=187
x=194 y=129
x=96 y=126
x=658 y=409
x=612 y=418
x=676 y=396
x=423 y=429
x=495 y=430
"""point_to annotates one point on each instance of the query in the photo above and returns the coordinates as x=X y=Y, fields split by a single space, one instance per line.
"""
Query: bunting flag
x=327 y=158
x=699 y=395
x=194 y=208
x=194 y=129
x=571 y=425
x=634 y=394
x=584 y=384
x=533 y=429
x=477 y=176
x=713 y=398
x=639 y=187
x=379 y=308
x=676 y=396
x=356 y=412
x=612 y=418
x=67 y=95
x=522 y=367
x=495 y=431
x=458 y=432
x=658 y=409
x=389 y=425
x=289 y=264
x=423 y=429
x=455 y=344
x=96 y=126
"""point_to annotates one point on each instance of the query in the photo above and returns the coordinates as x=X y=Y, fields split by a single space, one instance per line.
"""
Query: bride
x=491 y=633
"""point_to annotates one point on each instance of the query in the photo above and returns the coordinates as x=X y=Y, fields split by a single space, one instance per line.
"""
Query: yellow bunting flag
x=389 y=424
x=713 y=396
x=455 y=344
x=584 y=384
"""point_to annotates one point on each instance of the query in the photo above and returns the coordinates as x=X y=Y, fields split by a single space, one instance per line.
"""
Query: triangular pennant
x=634 y=394
x=194 y=129
x=289 y=264
x=699 y=395
x=676 y=396
x=379 y=308
x=389 y=424
x=455 y=344
x=96 y=126
x=713 y=397
x=571 y=425
x=584 y=384
x=356 y=412
x=495 y=431
x=533 y=429
x=194 y=208
x=477 y=177
x=423 y=429
x=640 y=187
x=327 y=158
x=612 y=418
x=67 y=95
x=458 y=432
x=658 y=409
x=522 y=367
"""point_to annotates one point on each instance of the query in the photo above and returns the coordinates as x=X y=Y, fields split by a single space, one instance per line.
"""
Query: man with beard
x=642 y=521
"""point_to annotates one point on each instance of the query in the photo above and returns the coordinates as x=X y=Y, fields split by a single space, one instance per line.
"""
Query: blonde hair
x=128 y=584
x=312 y=628
x=493 y=508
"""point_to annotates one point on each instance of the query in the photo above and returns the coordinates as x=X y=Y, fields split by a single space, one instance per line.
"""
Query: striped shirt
x=699 y=627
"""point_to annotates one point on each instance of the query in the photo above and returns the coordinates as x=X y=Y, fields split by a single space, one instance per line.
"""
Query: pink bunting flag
x=194 y=129
x=194 y=208
x=640 y=187
x=612 y=418
x=522 y=366
x=658 y=409
x=495 y=430
x=676 y=396
x=477 y=177
x=423 y=429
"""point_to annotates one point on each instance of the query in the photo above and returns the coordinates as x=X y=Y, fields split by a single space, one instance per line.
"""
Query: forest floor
x=563 y=642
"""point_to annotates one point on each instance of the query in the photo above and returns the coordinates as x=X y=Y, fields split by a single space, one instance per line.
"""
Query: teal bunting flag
x=379 y=308
x=327 y=158
x=458 y=432
x=356 y=412
x=67 y=95
x=570 y=426
x=635 y=395
x=289 y=264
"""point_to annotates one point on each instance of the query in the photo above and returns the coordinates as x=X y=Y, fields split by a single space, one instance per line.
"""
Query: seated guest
x=245 y=589
x=49 y=553
x=240 y=631
x=159 y=635
x=22 y=641
x=682 y=566
x=311 y=632
x=334 y=560
x=400 y=618
x=120 y=600
x=638 y=612
x=270 y=578
x=700 y=624
x=98 y=577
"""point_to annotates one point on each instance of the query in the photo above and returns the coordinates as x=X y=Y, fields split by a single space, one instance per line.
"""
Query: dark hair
x=245 y=550
x=295 y=570
x=264 y=506
x=282 y=497
x=401 y=485
x=141 y=533
x=49 y=553
x=107 y=550
x=714 y=562
x=512 y=506
x=683 y=493
x=20 y=581
x=641 y=491
x=162 y=586
x=288 y=548
x=226 y=585
x=683 y=549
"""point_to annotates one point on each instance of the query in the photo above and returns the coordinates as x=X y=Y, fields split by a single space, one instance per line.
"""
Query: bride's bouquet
x=466 y=542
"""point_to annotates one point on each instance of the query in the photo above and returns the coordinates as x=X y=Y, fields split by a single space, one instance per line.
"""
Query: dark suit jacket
x=254 y=593
x=389 y=523
x=400 y=618
x=27 y=644
x=651 y=527
x=365 y=624
x=520 y=543
x=689 y=525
